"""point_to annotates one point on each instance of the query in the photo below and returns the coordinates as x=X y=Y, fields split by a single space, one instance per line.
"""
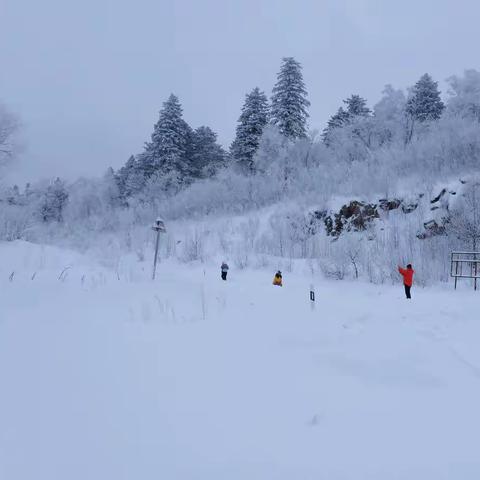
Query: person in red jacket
x=407 y=275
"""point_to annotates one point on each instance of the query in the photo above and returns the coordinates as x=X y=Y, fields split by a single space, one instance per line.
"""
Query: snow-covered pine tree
x=206 y=156
x=54 y=201
x=357 y=106
x=122 y=174
x=130 y=178
x=340 y=119
x=424 y=102
x=111 y=194
x=289 y=100
x=166 y=153
x=251 y=123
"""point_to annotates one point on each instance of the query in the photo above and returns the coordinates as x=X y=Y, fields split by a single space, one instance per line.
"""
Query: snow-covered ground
x=192 y=378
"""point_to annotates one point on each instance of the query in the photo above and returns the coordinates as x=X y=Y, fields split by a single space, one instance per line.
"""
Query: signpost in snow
x=312 y=297
x=159 y=227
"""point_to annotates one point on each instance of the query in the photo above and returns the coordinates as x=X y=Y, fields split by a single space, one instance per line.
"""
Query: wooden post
x=159 y=227
x=456 y=271
x=475 y=271
x=157 y=241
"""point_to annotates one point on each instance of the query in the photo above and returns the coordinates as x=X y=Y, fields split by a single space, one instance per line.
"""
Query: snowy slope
x=192 y=378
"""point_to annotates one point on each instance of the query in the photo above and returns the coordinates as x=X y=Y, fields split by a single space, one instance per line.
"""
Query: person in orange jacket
x=407 y=274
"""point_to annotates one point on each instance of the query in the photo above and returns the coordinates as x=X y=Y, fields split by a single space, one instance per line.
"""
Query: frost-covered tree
x=130 y=178
x=84 y=200
x=464 y=220
x=423 y=105
x=122 y=174
x=271 y=149
x=252 y=121
x=350 y=131
x=360 y=121
x=166 y=153
x=13 y=196
x=111 y=192
x=357 y=106
x=9 y=125
x=390 y=116
x=289 y=100
x=206 y=156
x=32 y=196
x=54 y=201
x=464 y=94
x=339 y=120
x=424 y=102
x=391 y=107
x=18 y=213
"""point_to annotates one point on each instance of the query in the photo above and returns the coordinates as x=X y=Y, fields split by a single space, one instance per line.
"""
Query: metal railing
x=465 y=265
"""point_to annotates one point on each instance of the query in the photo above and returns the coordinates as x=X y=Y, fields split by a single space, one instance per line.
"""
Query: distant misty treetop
x=391 y=107
x=9 y=125
x=465 y=95
x=357 y=106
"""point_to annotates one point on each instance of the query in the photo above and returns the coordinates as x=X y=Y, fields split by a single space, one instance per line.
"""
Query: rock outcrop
x=432 y=229
x=358 y=215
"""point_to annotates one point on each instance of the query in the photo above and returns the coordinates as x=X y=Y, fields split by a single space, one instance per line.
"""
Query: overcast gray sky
x=88 y=77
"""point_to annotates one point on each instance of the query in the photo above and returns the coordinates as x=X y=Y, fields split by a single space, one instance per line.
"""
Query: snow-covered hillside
x=193 y=378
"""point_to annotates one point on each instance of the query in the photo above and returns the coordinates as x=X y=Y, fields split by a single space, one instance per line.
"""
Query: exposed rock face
x=432 y=229
x=409 y=207
x=442 y=200
x=386 y=205
x=354 y=216
x=357 y=215
x=393 y=204
x=439 y=196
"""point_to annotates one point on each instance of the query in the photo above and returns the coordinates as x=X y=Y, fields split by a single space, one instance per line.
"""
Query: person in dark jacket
x=224 y=270
x=407 y=274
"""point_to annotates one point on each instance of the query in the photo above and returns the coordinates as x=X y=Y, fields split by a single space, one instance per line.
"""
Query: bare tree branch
x=9 y=126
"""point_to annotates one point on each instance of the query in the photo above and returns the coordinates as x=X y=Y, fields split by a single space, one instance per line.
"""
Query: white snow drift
x=193 y=378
